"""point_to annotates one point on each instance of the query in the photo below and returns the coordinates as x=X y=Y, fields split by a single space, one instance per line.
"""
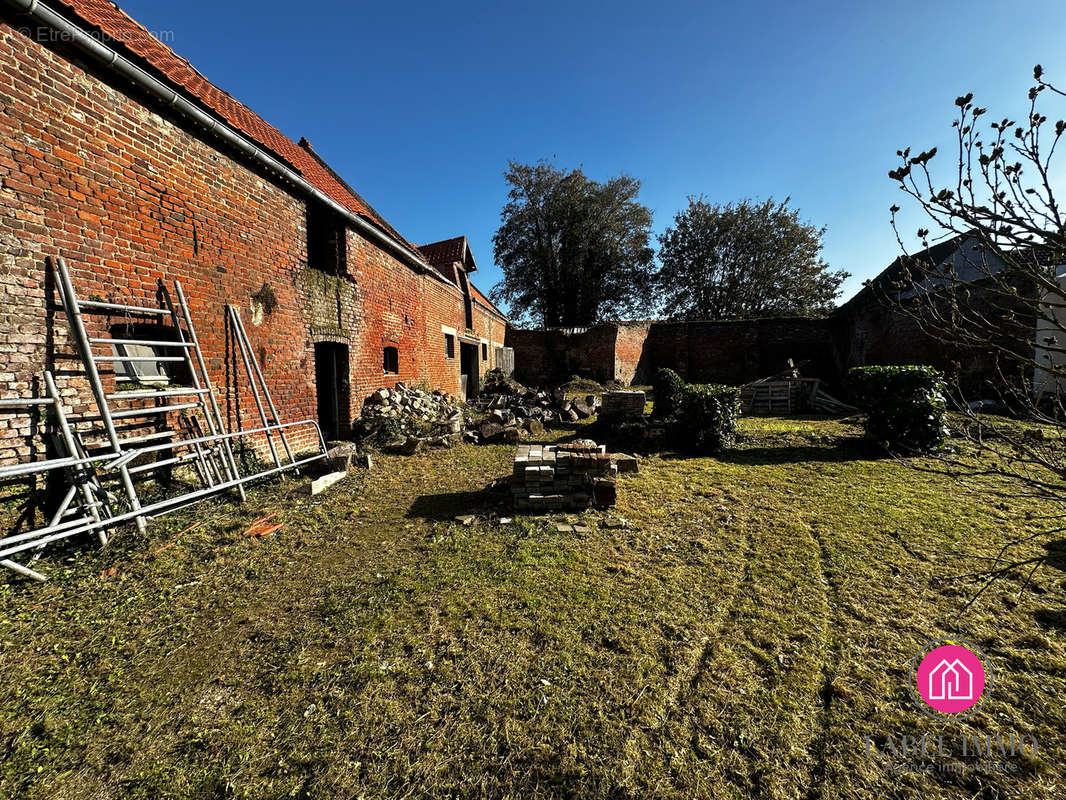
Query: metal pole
x=234 y=322
x=213 y=425
x=77 y=326
x=266 y=390
x=262 y=382
x=24 y=571
x=72 y=449
x=205 y=470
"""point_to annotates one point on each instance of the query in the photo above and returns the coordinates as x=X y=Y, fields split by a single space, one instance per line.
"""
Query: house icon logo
x=950 y=680
x=950 y=677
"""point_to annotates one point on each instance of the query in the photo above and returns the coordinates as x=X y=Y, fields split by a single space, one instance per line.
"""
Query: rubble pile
x=565 y=477
x=405 y=419
x=510 y=417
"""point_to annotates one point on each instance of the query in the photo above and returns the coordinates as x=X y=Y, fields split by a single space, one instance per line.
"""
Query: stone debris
x=339 y=457
x=466 y=519
x=565 y=477
x=623 y=405
x=319 y=485
x=404 y=419
x=517 y=415
x=626 y=463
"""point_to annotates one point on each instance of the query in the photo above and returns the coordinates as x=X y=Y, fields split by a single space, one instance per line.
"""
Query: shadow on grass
x=856 y=449
x=646 y=438
x=446 y=506
x=1056 y=558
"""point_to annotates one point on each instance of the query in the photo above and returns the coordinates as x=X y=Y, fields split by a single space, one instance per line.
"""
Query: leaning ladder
x=214 y=459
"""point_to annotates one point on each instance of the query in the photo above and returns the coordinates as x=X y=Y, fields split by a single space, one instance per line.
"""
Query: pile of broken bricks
x=511 y=417
x=566 y=477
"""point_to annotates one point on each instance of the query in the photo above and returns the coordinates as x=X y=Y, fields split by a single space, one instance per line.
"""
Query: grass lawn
x=746 y=632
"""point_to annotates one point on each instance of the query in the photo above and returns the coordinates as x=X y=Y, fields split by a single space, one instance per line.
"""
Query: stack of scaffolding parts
x=565 y=477
x=156 y=441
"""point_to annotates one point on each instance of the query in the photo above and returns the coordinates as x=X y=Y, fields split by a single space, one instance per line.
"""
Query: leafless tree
x=1003 y=296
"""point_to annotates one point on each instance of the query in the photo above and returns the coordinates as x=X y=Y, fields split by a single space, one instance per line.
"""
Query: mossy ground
x=741 y=638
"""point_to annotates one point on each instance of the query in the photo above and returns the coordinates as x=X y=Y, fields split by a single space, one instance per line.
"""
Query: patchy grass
x=741 y=638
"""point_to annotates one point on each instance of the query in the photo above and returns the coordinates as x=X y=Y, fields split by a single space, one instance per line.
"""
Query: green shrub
x=668 y=387
x=705 y=420
x=904 y=405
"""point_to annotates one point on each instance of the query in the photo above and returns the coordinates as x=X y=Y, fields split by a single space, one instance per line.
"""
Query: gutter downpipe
x=122 y=66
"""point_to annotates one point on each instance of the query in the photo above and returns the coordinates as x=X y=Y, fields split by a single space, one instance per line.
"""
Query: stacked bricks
x=566 y=477
x=623 y=405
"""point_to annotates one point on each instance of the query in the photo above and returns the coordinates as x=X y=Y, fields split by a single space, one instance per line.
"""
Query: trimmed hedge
x=705 y=420
x=904 y=405
x=668 y=387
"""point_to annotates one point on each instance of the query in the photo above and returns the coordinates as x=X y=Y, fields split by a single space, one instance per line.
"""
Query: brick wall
x=869 y=330
x=491 y=330
x=130 y=196
x=629 y=359
x=553 y=355
x=700 y=351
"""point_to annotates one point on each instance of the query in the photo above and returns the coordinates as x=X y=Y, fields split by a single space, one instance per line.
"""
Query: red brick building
x=118 y=155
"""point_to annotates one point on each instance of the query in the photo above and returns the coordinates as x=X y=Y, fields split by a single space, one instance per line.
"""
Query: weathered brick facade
x=700 y=351
x=130 y=194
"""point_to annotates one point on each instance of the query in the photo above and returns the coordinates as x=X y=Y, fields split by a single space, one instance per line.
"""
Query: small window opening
x=326 y=241
x=484 y=352
x=391 y=361
x=142 y=344
x=449 y=345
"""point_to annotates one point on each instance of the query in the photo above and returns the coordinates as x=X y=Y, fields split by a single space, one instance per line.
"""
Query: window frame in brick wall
x=327 y=240
x=390 y=356
x=484 y=351
x=147 y=373
x=449 y=346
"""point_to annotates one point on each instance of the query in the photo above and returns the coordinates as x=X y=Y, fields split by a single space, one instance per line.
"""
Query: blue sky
x=420 y=105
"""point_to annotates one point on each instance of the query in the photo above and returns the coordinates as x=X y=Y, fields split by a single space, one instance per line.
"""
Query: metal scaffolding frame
x=204 y=444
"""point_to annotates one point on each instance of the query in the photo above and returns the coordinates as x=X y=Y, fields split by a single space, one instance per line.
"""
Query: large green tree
x=573 y=251
x=744 y=260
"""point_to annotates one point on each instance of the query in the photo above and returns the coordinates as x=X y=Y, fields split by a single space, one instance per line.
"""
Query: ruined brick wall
x=736 y=352
x=553 y=355
x=129 y=195
x=700 y=351
x=629 y=351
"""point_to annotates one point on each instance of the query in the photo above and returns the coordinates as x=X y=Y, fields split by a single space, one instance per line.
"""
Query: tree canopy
x=573 y=251
x=744 y=260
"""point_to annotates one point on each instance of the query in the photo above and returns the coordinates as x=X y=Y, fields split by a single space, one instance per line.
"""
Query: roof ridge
x=377 y=217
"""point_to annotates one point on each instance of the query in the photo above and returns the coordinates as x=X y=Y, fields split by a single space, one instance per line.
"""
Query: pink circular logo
x=951 y=679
